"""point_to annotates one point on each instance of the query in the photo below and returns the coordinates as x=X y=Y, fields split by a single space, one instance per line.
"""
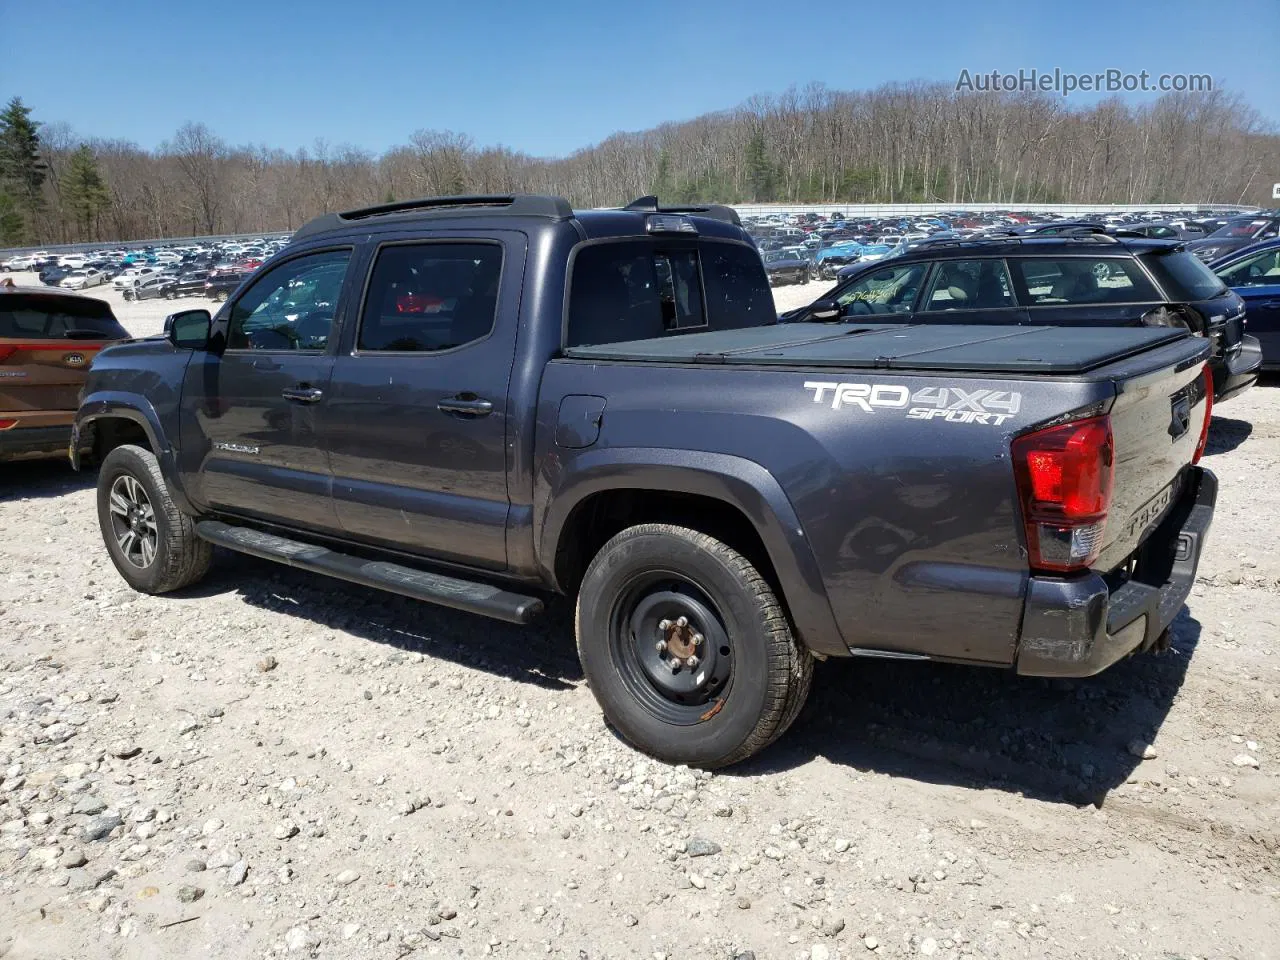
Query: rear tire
x=751 y=676
x=152 y=543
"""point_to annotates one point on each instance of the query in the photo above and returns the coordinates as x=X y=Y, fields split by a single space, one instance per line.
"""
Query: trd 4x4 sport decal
x=952 y=404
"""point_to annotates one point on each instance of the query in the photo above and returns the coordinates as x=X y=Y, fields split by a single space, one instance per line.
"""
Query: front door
x=251 y=433
x=417 y=418
x=1257 y=279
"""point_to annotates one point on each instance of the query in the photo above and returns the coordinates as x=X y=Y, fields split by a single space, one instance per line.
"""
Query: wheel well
x=603 y=515
x=112 y=432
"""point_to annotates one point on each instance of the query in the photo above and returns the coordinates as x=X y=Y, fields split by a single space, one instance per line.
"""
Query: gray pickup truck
x=479 y=401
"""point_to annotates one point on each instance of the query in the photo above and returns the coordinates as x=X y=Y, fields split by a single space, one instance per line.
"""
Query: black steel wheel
x=687 y=648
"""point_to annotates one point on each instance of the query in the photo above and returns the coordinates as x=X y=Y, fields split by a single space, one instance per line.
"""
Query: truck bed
x=1017 y=350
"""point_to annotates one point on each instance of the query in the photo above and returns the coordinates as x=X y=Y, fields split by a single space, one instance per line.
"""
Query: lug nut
x=682 y=622
x=675 y=665
x=664 y=625
x=662 y=646
x=697 y=639
x=692 y=662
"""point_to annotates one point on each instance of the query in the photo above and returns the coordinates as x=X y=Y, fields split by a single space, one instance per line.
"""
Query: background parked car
x=1235 y=233
x=1254 y=274
x=148 y=288
x=784 y=267
x=48 y=338
x=79 y=279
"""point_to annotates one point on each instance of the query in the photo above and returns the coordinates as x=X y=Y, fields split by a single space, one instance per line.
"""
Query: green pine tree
x=761 y=176
x=84 y=191
x=22 y=172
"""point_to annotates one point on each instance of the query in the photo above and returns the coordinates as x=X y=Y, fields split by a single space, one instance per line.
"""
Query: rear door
x=46 y=345
x=417 y=422
x=251 y=415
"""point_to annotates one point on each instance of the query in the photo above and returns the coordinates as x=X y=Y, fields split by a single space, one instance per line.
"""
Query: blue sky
x=550 y=76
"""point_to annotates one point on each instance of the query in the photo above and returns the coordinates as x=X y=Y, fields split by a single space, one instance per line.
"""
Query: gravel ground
x=275 y=764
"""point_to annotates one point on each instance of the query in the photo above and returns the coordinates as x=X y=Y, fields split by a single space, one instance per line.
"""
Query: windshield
x=1184 y=276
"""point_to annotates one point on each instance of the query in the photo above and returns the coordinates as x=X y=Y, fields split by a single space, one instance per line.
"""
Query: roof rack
x=999 y=238
x=513 y=205
x=716 y=211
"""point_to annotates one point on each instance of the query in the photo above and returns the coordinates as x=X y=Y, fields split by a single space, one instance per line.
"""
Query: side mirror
x=824 y=310
x=189 y=329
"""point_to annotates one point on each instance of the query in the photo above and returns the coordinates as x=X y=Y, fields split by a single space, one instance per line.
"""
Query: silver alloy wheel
x=133 y=521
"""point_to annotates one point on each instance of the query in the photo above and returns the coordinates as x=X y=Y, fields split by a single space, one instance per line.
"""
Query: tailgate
x=1156 y=420
x=44 y=375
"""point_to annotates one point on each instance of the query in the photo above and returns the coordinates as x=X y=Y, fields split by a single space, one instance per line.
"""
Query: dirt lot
x=274 y=763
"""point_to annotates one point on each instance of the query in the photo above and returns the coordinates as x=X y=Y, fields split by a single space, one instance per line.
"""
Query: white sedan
x=79 y=279
x=130 y=278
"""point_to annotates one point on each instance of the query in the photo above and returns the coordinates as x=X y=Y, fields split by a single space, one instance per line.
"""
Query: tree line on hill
x=899 y=143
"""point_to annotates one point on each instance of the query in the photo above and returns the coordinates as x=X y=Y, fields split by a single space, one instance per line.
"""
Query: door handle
x=465 y=406
x=263 y=363
x=1270 y=304
x=303 y=394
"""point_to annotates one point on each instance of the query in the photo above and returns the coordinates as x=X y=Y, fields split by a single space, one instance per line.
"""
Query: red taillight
x=7 y=351
x=6 y=424
x=1208 y=414
x=1064 y=482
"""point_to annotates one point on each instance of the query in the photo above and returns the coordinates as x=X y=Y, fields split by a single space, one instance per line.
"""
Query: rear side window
x=1051 y=282
x=46 y=318
x=1184 y=276
x=431 y=296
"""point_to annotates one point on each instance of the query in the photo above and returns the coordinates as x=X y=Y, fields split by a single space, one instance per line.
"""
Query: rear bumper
x=1239 y=372
x=34 y=443
x=1079 y=627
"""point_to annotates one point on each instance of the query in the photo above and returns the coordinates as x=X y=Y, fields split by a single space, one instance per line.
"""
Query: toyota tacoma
x=480 y=401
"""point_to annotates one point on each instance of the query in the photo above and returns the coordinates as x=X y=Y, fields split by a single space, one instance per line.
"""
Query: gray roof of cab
x=510 y=205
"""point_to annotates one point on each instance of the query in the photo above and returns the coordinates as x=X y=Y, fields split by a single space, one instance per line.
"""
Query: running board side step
x=468 y=595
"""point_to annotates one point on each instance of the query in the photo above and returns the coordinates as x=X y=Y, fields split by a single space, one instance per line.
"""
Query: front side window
x=1259 y=270
x=1066 y=281
x=428 y=297
x=969 y=285
x=292 y=307
x=888 y=290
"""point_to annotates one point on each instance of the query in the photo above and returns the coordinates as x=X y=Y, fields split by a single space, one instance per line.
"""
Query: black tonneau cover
x=965 y=348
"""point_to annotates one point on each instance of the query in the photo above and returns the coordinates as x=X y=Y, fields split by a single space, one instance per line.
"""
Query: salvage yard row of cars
x=982 y=449
x=199 y=270
x=807 y=247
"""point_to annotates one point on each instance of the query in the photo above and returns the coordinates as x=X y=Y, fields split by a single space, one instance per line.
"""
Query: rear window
x=1052 y=282
x=52 y=318
x=637 y=290
x=1184 y=276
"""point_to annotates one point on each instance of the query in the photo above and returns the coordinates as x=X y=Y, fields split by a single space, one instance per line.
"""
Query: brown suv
x=48 y=338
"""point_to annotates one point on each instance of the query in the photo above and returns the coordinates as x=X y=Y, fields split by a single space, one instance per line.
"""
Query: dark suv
x=1082 y=281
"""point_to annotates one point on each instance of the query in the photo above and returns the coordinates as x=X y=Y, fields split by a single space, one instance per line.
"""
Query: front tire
x=152 y=543
x=686 y=647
